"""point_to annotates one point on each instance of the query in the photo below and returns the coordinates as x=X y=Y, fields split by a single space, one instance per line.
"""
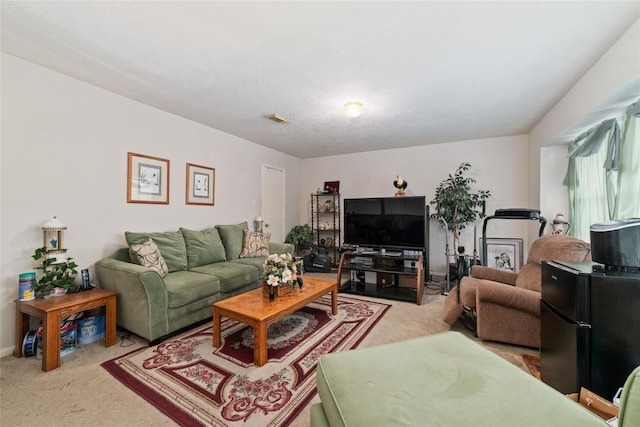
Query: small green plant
x=55 y=274
x=301 y=236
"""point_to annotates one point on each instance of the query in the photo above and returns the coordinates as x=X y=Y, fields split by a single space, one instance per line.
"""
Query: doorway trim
x=264 y=198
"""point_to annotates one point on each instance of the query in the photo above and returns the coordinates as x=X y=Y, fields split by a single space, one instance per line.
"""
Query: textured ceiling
x=426 y=72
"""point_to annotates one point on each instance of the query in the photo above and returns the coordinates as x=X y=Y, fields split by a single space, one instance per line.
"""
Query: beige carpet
x=81 y=393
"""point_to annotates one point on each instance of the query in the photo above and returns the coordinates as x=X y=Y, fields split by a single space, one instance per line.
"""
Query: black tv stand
x=386 y=273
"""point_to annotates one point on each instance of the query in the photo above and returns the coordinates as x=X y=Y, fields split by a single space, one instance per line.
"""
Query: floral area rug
x=533 y=364
x=196 y=384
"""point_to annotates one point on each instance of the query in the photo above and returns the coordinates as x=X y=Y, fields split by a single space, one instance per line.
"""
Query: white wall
x=64 y=153
x=615 y=69
x=498 y=165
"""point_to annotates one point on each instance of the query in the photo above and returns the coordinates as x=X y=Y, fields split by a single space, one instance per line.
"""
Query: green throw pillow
x=203 y=247
x=170 y=244
x=231 y=236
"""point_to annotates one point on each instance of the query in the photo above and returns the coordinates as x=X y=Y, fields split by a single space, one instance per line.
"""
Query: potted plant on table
x=301 y=236
x=58 y=276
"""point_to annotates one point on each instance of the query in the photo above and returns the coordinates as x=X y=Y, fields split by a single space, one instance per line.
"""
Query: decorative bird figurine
x=401 y=185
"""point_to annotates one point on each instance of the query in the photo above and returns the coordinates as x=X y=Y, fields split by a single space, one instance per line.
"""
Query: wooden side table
x=51 y=311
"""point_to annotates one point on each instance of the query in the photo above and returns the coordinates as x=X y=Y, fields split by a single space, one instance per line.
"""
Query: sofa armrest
x=142 y=300
x=280 y=248
x=493 y=274
x=508 y=296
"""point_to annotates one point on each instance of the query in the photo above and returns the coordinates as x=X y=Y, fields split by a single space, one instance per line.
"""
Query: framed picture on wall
x=147 y=179
x=332 y=187
x=503 y=253
x=200 y=185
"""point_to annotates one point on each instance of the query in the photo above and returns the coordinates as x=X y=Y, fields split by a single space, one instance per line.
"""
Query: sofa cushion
x=232 y=275
x=255 y=244
x=530 y=277
x=149 y=256
x=256 y=262
x=203 y=247
x=185 y=287
x=171 y=245
x=231 y=236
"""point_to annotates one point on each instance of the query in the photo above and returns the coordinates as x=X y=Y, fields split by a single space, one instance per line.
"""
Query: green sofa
x=203 y=267
x=439 y=380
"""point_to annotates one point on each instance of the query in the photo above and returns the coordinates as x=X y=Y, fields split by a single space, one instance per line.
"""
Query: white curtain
x=603 y=177
x=628 y=200
x=587 y=184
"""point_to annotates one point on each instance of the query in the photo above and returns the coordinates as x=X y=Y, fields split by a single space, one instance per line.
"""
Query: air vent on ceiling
x=278 y=118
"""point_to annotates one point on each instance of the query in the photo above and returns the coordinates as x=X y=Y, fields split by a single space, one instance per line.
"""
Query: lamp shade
x=54 y=224
x=258 y=224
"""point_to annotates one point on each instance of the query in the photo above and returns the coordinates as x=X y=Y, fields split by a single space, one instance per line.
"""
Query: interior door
x=273 y=201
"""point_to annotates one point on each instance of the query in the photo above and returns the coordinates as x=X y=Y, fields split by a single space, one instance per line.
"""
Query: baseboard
x=8 y=351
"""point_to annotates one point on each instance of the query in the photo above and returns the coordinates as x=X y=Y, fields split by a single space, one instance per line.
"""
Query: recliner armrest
x=508 y=296
x=488 y=273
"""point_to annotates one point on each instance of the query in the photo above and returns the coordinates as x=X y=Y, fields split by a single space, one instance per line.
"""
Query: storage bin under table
x=51 y=310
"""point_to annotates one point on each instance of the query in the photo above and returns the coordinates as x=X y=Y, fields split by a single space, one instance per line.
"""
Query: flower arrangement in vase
x=277 y=271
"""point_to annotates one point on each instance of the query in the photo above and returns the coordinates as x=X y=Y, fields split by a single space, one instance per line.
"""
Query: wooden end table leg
x=110 y=320
x=260 y=343
x=51 y=341
x=22 y=327
x=334 y=300
x=217 y=333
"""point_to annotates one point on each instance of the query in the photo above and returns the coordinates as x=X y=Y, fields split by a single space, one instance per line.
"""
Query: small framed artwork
x=147 y=179
x=200 y=185
x=332 y=187
x=503 y=254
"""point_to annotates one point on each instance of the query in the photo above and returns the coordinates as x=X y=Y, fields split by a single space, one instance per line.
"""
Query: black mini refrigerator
x=615 y=330
x=590 y=327
x=565 y=329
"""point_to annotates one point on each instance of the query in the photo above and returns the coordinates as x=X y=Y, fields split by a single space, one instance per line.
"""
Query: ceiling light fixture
x=353 y=109
x=278 y=118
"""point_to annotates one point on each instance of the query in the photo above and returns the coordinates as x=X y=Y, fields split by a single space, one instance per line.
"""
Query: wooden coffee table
x=255 y=309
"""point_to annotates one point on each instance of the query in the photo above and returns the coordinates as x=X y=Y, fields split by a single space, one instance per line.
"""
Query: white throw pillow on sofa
x=149 y=256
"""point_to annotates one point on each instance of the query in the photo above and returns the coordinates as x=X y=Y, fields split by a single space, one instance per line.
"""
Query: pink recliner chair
x=506 y=305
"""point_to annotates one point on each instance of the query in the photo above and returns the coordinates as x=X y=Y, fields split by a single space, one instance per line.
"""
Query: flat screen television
x=389 y=222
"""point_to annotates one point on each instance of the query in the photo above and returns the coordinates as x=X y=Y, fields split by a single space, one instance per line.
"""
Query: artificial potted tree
x=301 y=236
x=457 y=204
x=58 y=275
